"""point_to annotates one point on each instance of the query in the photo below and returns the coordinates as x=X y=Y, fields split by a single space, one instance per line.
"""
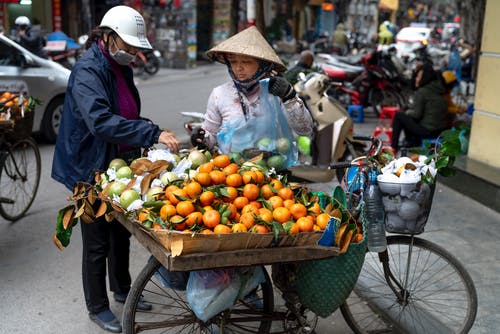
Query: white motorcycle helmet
x=128 y=24
x=22 y=21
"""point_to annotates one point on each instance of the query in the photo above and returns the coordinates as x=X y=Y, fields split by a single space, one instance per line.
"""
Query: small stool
x=388 y=112
x=384 y=133
x=356 y=112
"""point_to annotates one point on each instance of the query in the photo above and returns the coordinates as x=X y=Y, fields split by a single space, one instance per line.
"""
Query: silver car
x=21 y=70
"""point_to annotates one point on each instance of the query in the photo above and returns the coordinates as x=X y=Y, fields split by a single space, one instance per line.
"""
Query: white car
x=410 y=38
x=21 y=70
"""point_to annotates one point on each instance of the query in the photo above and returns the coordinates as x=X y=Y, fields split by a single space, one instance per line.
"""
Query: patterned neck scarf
x=248 y=86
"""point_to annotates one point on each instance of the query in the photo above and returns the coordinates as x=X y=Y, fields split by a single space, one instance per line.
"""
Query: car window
x=9 y=56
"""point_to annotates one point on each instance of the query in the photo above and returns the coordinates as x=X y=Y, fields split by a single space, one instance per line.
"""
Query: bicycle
x=20 y=168
x=413 y=286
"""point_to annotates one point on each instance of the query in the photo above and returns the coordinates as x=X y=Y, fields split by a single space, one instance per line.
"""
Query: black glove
x=197 y=139
x=280 y=87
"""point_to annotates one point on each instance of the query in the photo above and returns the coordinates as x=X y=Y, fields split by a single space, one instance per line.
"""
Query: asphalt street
x=40 y=287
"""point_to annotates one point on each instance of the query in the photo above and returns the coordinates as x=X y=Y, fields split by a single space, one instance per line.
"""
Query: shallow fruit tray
x=181 y=251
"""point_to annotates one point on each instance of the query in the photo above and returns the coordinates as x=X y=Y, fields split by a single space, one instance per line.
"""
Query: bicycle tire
x=448 y=297
x=19 y=178
x=171 y=312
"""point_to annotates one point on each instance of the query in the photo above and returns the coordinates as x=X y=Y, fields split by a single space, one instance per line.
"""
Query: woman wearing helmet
x=429 y=115
x=249 y=59
x=100 y=122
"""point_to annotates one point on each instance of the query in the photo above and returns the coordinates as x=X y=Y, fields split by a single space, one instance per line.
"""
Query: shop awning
x=391 y=5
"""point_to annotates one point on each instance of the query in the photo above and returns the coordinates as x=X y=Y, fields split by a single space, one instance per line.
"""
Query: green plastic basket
x=324 y=285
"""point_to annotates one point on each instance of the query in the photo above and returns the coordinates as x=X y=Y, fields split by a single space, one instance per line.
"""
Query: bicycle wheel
x=19 y=178
x=440 y=295
x=171 y=312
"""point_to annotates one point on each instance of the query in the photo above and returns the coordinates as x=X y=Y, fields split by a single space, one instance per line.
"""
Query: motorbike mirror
x=302 y=76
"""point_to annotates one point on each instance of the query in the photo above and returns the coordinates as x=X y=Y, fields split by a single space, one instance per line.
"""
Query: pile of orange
x=225 y=197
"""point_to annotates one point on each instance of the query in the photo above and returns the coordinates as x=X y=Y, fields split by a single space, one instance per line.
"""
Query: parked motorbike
x=378 y=83
x=63 y=49
x=148 y=61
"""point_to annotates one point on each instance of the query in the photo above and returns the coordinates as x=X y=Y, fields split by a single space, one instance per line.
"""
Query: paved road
x=40 y=287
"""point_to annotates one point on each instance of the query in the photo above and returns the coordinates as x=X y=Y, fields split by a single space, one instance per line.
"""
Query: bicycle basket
x=21 y=128
x=324 y=285
x=407 y=206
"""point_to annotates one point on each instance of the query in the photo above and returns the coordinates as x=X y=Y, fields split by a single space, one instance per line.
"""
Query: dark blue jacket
x=91 y=127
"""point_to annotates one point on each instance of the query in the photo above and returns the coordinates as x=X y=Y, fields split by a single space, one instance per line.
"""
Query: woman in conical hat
x=249 y=59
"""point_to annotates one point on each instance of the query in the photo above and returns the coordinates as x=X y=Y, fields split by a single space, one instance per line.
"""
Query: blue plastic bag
x=268 y=132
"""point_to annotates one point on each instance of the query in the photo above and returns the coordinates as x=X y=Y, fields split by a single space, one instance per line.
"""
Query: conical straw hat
x=247 y=42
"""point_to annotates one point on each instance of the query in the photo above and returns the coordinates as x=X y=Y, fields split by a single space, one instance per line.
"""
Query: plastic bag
x=267 y=132
x=210 y=292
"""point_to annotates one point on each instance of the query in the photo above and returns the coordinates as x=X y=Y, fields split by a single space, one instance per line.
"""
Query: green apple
x=276 y=162
x=124 y=172
x=264 y=144
x=153 y=193
x=117 y=163
x=128 y=197
x=116 y=188
x=168 y=177
x=197 y=158
x=304 y=144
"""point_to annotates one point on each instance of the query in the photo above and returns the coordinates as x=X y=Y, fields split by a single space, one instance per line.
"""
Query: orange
x=305 y=224
x=249 y=208
x=266 y=191
x=281 y=215
x=230 y=194
x=207 y=167
x=221 y=160
x=315 y=208
x=170 y=188
x=298 y=210
x=203 y=178
x=259 y=177
x=177 y=195
x=211 y=218
x=178 y=222
x=234 y=180
x=207 y=198
x=207 y=231
x=276 y=184
x=193 y=189
x=222 y=229
x=232 y=168
x=288 y=203
x=286 y=193
x=275 y=201
x=184 y=208
x=217 y=177
x=233 y=209
x=249 y=176
x=259 y=228
x=251 y=191
x=193 y=218
x=265 y=215
x=257 y=204
x=157 y=226
x=240 y=202
x=316 y=228
x=322 y=220
x=294 y=229
x=166 y=211
x=239 y=228
x=143 y=215
x=247 y=219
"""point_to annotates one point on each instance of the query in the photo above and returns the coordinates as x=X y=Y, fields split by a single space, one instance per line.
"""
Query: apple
x=276 y=162
x=152 y=193
x=264 y=144
x=128 y=197
x=197 y=158
x=124 y=172
x=283 y=145
x=117 y=163
x=116 y=188
x=304 y=144
x=168 y=177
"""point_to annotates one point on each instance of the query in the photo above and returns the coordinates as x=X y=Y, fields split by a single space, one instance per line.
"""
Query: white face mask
x=120 y=56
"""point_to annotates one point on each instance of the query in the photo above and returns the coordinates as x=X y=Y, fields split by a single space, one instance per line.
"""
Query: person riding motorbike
x=30 y=38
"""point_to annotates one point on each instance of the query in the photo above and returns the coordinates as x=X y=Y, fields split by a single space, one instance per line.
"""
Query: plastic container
x=375 y=216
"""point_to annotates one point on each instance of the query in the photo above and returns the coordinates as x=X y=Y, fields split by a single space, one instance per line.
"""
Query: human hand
x=280 y=87
x=168 y=138
x=197 y=138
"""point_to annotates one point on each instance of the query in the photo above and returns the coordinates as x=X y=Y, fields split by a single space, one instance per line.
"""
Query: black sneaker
x=107 y=321
x=141 y=305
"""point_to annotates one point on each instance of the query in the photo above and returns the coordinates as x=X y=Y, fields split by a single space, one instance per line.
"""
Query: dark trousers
x=104 y=241
x=414 y=132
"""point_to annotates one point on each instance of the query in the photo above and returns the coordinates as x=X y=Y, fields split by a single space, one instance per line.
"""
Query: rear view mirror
x=302 y=76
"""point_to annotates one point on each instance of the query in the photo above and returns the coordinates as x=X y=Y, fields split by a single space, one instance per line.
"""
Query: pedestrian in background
x=101 y=121
x=385 y=36
x=340 y=39
x=304 y=65
x=30 y=38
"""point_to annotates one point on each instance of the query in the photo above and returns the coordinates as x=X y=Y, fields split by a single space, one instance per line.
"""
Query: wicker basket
x=324 y=285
